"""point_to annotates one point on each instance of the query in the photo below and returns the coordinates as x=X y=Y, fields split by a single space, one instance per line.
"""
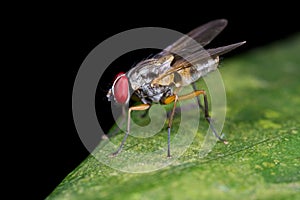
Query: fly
x=158 y=79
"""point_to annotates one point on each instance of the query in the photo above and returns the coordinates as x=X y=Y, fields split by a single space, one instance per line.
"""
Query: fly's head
x=119 y=91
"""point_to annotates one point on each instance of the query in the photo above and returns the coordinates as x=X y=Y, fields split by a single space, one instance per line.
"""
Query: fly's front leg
x=206 y=113
x=121 y=123
x=138 y=107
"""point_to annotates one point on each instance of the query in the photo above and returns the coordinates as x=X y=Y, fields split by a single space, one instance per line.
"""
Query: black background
x=57 y=41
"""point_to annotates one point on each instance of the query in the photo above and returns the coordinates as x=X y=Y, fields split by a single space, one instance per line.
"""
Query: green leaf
x=261 y=161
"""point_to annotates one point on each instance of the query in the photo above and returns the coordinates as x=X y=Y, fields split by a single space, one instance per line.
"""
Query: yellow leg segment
x=138 y=107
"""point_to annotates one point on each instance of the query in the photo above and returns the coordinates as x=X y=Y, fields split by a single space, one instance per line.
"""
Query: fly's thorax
x=165 y=60
x=155 y=94
x=147 y=70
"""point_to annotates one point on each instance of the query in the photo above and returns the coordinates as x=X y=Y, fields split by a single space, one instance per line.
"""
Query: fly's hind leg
x=197 y=97
x=196 y=93
x=175 y=98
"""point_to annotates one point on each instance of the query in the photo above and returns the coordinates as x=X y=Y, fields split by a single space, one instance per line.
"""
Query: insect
x=159 y=78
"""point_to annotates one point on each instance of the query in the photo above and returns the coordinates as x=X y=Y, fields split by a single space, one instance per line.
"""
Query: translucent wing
x=194 y=66
x=190 y=47
x=197 y=38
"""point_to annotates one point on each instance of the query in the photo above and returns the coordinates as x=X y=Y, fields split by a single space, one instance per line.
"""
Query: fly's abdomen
x=193 y=73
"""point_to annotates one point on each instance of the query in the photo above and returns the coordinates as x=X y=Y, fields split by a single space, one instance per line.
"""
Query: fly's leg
x=208 y=118
x=168 y=100
x=145 y=114
x=197 y=97
x=121 y=123
x=206 y=113
x=170 y=125
x=138 y=107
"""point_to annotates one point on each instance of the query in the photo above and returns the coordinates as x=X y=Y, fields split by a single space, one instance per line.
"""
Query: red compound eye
x=120 y=90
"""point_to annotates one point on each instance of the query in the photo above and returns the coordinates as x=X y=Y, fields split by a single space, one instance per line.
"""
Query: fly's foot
x=114 y=154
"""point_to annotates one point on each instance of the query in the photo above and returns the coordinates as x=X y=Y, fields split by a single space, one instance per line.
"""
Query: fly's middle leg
x=168 y=100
